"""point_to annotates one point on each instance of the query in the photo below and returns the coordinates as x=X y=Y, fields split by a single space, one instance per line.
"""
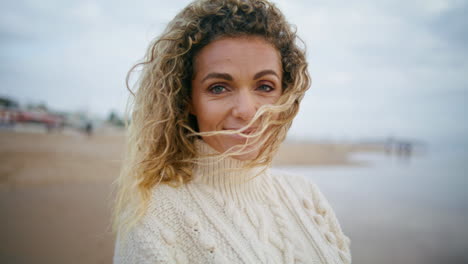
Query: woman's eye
x=217 y=89
x=265 y=88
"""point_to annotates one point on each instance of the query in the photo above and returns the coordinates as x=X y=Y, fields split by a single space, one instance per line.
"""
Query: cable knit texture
x=232 y=215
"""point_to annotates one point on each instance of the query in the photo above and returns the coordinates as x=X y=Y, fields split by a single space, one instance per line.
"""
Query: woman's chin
x=233 y=144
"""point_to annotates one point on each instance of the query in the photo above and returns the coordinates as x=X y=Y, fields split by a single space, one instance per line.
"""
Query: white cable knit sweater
x=224 y=216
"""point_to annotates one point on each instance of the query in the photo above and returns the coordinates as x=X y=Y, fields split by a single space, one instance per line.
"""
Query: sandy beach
x=55 y=197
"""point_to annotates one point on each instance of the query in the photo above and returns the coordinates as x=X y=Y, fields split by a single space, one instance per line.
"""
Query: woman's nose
x=245 y=106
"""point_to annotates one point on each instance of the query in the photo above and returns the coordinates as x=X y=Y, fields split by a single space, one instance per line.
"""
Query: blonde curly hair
x=162 y=132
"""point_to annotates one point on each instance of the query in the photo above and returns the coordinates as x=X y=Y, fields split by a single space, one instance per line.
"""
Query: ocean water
x=411 y=209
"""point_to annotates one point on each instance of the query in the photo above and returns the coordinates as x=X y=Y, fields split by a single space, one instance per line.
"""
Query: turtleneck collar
x=230 y=177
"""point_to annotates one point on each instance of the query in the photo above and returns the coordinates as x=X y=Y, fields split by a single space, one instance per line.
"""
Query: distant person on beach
x=88 y=129
x=217 y=94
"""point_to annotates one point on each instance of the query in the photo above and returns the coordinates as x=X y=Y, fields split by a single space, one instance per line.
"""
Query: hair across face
x=234 y=77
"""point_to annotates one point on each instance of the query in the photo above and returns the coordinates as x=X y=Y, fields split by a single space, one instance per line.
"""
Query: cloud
x=383 y=67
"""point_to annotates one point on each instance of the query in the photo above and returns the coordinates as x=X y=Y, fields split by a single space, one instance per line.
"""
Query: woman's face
x=233 y=77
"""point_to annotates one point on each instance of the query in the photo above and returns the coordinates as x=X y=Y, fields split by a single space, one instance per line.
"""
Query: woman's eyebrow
x=217 y=75
x=265 y=72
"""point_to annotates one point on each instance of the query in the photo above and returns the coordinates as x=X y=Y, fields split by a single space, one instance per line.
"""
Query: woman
x=216 y=96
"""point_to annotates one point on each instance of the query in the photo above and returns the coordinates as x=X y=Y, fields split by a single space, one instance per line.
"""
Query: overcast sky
x=379 y=68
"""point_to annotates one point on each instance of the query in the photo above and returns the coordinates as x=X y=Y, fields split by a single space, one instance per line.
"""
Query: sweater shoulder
x=170 y=208
x=163 y=200
x=300 y=184
x=304 y=189
x=311 y=198
x=161 y=234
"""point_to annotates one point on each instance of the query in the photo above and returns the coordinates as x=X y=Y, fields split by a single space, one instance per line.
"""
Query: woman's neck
x=230 y=176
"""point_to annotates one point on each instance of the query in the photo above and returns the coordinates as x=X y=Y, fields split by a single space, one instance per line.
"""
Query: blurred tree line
x=115 y=120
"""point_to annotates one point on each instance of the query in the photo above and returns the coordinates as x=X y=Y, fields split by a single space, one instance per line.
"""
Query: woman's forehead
x=240 y=54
